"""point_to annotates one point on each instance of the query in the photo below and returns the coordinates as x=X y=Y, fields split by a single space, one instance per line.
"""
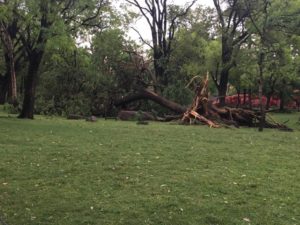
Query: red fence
x=255 y=102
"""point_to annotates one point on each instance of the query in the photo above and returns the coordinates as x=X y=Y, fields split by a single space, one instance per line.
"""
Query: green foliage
x=10 y=109
x=179 y=93
x=64 y=75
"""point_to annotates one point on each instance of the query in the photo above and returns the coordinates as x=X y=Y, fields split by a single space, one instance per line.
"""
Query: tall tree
x=232 y=17
x=8 y=32
x=267 y=30
x=42 y=19
x=162 y=18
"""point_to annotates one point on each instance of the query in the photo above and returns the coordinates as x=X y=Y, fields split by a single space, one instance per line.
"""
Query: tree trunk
x=223 y=87
x=245 y=96
x=239 y=97
x=250 y=98
x=12 y=97
x=282 y=102
x=11 y=79
x=30 y=86
x=146 y=94
x=159 y=74
x=272 y=82
x=227 y=50
x=269 y=95
x=10 y=64
x=3 y=88
x=260 y=91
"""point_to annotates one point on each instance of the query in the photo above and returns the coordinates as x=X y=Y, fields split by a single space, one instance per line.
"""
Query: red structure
x=235 y=100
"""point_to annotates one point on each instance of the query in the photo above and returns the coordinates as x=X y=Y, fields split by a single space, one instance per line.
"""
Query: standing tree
x=43 y=19
x=233 y=34
x=266 y=21
x=8 y=32
x=162 y=19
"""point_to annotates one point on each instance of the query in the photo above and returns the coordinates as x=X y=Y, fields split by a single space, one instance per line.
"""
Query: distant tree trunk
x=239 y=97
x=30 y=85
x=272 y=81
x=269 y=97
x=245 y=96
x=250 y=98
x=282 y=100
x=10 y=63
x=260 y=91
x=268 y=101
x=3 y=88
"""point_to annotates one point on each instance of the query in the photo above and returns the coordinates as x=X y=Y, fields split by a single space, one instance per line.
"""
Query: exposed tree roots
x=204 y=111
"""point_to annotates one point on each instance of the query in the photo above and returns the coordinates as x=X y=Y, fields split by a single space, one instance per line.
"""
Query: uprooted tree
x=205 y=111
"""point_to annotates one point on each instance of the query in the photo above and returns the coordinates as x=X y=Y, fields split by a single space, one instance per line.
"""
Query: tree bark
x=250 y=98
x=222 y=89
x=239 y=97
x=227 y=65
x=260 y=91
x=231 y=19
x=282 y=102
x=3 y=88
x=245 y=96
x=30 y=85
x=268 y=101
x=163 y=26
x=146 y=94
x=6 y=38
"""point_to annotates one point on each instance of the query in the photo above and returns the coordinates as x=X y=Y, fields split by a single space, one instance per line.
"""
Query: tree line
x=243 y=45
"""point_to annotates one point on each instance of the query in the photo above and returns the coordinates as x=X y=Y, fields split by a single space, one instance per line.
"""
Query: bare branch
x=141 y=37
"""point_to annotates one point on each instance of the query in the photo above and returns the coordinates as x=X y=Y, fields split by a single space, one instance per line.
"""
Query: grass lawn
x=54 y=171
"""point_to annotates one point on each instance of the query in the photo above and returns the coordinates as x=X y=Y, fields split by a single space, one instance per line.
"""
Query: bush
x=10 y=109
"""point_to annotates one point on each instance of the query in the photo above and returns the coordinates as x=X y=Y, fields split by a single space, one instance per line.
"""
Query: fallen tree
x=204 y=111
x=144 y=93
x=210 y=114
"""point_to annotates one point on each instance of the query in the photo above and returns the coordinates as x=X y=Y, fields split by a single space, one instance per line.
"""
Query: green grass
x=54 y=171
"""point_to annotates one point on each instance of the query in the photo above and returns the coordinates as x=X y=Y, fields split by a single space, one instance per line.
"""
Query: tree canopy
x=75 y=56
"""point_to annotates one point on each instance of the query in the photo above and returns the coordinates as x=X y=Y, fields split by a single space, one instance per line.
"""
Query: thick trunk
x=245 y=96
x=11 y=79
x=227 y=50
x=12 y=91
x=161 y=77
x=146 y=94
x=7 y=33
x=3 y=89
x=223 y=87
x=30 y=86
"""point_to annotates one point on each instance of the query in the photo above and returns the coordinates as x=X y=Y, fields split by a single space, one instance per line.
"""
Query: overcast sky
x=142 y=26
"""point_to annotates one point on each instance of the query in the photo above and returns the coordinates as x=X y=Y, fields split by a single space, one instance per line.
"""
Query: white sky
x=142 y=26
